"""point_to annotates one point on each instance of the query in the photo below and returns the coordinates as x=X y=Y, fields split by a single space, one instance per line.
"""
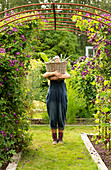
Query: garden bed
x=12 y=164
x=104 y=154
x=35 y=121
x=78 y=121
x=98 y=152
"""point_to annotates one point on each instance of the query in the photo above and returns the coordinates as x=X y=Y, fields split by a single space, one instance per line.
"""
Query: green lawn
x=38 y=115
x=72 y=155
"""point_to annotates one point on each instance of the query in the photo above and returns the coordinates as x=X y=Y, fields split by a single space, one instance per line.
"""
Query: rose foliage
x=14 y=64
x=99 y=36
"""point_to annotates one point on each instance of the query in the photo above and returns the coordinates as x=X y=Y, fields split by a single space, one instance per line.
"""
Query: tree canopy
x=58 y=42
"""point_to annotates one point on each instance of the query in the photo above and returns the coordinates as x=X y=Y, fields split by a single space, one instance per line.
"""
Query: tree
x=58 y=42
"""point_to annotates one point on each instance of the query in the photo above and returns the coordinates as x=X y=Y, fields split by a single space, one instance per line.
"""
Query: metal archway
x=54 y=18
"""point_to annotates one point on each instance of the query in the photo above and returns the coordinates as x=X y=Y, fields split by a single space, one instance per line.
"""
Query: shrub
x=98 y=28
x=82 y=79
x=37 y=85
x=76 y=105
x=14 y=64
x=80 y=87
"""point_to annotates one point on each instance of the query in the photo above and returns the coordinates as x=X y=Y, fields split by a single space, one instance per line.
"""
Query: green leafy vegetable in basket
x=44 y=57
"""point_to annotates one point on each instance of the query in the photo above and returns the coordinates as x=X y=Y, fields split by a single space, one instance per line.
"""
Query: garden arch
x=11 y=64
x=54 y=16
x=52 y=13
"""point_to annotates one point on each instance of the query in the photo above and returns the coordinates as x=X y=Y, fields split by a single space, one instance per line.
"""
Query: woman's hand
x=57 y=73
x=65 y=76
x=54 y=73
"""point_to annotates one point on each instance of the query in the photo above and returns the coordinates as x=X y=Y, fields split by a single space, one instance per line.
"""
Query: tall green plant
x=36 y=84
x=76 y=105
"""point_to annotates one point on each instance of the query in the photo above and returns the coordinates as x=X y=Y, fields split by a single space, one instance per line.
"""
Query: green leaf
x=0 y=164
x=44 y=57
x=105 y=109
x=97 y=121
x=13 y=152
x=93 y=83
x=106 y=82
x=109 y=91
x=102 y=94
x=74 y=18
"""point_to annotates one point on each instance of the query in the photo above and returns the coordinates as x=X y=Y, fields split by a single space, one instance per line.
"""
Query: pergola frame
x=55 y=22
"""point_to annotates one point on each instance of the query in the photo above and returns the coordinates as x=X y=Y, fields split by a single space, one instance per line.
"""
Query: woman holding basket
x=57 y=102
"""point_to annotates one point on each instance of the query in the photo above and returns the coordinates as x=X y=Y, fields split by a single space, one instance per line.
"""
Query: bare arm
x=61 y=77
x=64 y=76
x=56 y=75
x=49 y=74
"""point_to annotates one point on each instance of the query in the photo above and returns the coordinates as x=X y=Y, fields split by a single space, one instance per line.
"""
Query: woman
x=57 y=102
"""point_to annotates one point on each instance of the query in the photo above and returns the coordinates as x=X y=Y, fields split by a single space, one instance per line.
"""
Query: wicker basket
x=53 y=66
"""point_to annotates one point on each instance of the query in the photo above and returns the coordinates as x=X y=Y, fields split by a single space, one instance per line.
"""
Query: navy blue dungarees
x=57 y=104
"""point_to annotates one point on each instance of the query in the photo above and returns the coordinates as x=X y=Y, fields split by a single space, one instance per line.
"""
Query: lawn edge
x=94 y=154
x=13 y=164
